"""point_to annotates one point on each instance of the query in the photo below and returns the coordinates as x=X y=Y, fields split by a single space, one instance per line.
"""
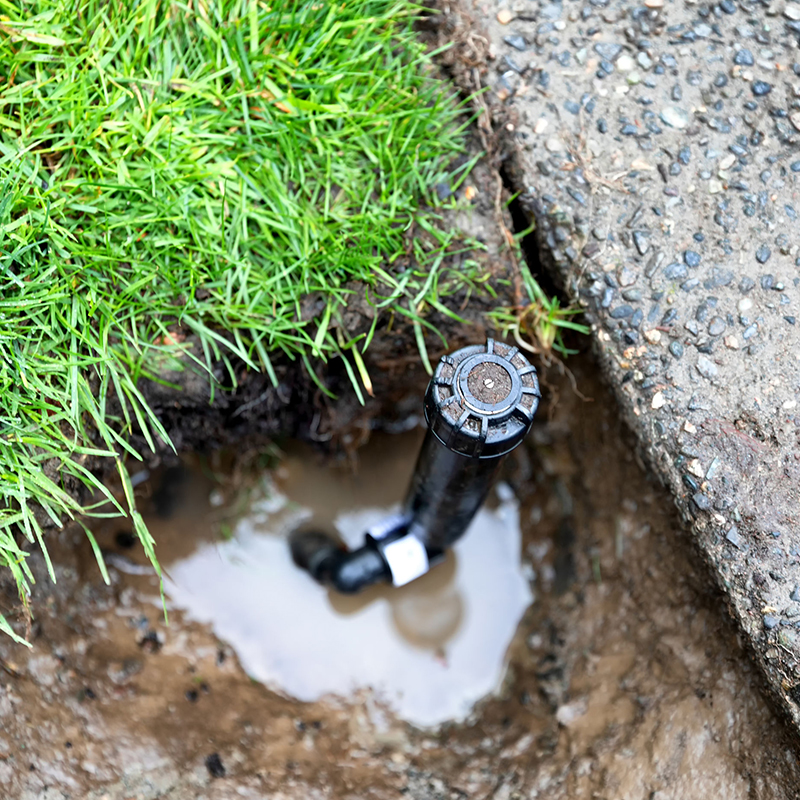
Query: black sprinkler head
x=479 y=406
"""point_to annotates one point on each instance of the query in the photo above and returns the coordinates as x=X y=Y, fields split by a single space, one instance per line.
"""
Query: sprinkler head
x=482 y=399
x=479 y=405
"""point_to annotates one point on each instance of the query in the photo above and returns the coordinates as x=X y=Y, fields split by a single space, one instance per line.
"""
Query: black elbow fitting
x=479 y=406
x=347 y=571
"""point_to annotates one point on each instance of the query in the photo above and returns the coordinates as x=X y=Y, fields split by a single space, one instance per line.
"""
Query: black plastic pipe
x=479 y=406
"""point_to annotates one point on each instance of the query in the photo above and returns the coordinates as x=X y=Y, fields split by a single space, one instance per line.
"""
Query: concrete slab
x=657 y=148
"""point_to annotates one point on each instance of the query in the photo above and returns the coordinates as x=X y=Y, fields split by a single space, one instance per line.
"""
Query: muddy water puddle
x=427 y=651
x=624 y=679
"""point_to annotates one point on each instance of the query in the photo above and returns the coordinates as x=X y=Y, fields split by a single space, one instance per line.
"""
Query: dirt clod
x=214 y=766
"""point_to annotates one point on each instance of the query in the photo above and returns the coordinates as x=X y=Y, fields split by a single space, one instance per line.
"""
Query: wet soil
x=625 y=677
x=427 y=651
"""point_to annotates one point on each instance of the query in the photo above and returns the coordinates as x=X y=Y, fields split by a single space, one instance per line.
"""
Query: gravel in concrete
x=686 y=139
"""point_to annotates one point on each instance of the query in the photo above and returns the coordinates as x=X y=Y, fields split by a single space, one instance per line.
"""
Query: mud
x=427 y=651
x=625 y=678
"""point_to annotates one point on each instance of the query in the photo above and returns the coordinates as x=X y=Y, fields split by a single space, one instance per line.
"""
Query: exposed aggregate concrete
x=656 y=147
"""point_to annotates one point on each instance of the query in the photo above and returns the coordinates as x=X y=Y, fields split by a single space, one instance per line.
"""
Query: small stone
x=701 y=501
x=792 y=611
x=214 y=765
x=644 y=60
x=733 y=537
x=676 y=348
x=750 y=331
x=541 y=125
x=715 y=186
x=761 y=88
x=794 y=118
x=608 y=50
x=606 y=68
x=674 y=117
x=692 y=259
x=727 y=162
x=551 y=11
x=659 y=401
x=621 y=312
x=744 y=58
x=625 y=63
x=696 y=468
x=554 y=144
x=762 y=254
x=641 y=241
x=516 y=41
x=707 y=368
x=653 y=336
x=770 y=621
x=795 y=166
x=654 y=3
x=727 y=6
x=675 y=271
x=716 y=326
x=746 y=284
x=767 y=282
x=443 y=190
x=731 y=342
x=568 y=713
x=792 y=12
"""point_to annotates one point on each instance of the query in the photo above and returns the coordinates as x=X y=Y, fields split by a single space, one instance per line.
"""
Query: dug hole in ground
x=623 y=677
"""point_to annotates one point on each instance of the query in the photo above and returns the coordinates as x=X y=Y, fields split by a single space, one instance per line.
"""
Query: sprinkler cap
x=481 y=400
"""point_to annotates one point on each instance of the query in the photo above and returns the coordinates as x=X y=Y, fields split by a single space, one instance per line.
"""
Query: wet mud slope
x=625 y=677
x=657 y=147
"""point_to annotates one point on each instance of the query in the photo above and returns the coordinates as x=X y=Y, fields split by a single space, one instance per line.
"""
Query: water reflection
x=429 y=650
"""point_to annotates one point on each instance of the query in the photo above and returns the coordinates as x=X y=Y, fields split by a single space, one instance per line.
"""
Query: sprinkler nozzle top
x=482 y=399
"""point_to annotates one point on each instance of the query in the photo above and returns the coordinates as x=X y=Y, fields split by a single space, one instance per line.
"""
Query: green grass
x=203 y=164
x=540 y=322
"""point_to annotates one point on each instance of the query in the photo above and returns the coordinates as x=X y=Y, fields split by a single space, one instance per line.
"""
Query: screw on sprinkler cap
x=481 y=400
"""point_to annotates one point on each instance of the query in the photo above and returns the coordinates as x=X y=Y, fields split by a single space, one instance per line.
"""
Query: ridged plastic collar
x=482 y=399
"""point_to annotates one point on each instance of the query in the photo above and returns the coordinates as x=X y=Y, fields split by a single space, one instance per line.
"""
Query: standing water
x=427 y=651
x=625 y=679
